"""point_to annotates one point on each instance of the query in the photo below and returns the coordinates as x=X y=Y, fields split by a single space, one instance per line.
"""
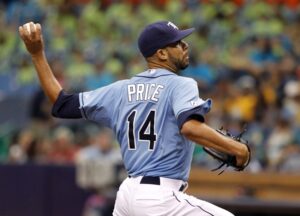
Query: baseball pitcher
x=156 y=115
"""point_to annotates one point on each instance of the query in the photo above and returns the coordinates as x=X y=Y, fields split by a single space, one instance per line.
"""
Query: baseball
x=27 y=26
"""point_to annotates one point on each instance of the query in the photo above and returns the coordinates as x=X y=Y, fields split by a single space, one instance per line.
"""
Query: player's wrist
x=244 y=158
x=37 y=55
x=248 y=155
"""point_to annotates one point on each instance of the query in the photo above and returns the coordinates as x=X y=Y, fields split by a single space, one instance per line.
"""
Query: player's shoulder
x=185 y=79
x=112 y=89
x=180 y=81
x=118 y=84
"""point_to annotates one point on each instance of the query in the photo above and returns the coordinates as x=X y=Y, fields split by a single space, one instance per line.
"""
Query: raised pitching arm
x=32 y=37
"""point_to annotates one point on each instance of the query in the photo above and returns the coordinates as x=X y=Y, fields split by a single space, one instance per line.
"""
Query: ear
x=162 y=54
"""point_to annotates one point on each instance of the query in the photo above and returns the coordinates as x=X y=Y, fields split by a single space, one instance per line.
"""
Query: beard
x=180 y=64
x=183 y=65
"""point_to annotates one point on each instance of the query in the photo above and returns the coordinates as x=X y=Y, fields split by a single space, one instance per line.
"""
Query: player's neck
x=156 y=65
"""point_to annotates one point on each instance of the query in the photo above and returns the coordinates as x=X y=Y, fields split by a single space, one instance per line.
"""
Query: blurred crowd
x=244 y=55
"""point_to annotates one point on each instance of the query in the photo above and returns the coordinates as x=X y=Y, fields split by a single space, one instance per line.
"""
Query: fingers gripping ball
x=32 y=37
x=28 y=27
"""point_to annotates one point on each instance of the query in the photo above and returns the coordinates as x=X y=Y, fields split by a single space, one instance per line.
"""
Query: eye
x=175 y=44
x=178 y=43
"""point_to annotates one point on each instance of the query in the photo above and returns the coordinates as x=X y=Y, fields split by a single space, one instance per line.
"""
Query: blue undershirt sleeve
x=67 y=106
x=190 y=114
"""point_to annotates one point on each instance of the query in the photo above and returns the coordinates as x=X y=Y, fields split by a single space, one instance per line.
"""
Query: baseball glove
x=227 y=159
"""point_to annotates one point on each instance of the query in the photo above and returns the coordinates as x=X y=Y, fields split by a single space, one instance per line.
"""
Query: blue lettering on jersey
x=144 y=92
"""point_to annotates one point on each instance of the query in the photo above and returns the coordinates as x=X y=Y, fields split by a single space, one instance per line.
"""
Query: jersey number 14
x=144 y=134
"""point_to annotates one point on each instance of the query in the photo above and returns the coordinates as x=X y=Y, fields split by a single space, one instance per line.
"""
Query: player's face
x=178 y=54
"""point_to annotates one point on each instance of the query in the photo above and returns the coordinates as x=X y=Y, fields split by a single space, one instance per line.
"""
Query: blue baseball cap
x=158 y=35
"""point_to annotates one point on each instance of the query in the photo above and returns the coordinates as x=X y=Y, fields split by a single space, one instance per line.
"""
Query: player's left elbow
x=189 y=129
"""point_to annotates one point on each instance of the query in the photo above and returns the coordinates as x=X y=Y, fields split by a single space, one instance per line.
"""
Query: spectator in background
x=290 y=158
x=44 y=148
x=23 y=149
x=291 y=103
x=17 y=11
x=202 y=71
x=96 y=170
x=101 y=77
x=101 y=147
x=243 y=99
x=280 y=138
x=40 y=107
x=64 y=149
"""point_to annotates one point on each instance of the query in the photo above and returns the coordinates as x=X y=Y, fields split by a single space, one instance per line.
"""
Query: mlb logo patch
x=151 y=71
x=195 y=103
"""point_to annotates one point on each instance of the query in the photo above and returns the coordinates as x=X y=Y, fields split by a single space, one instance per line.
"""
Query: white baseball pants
x=165 y=199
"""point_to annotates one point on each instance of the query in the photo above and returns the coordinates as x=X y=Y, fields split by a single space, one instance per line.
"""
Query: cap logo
x=172 y=25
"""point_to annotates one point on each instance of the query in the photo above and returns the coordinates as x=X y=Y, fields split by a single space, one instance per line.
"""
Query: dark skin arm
x=33 y=41
x=203 y=134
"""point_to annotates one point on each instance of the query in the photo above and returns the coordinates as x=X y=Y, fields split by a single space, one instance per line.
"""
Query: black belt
x=156 y=181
